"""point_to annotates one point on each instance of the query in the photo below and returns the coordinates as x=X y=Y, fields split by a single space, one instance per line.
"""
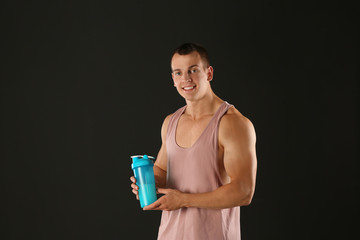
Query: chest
x=188 y=130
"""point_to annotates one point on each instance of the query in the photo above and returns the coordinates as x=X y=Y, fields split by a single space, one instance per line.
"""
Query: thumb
x=162 y=190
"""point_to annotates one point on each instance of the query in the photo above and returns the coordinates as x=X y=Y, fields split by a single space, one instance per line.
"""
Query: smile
x=188 y=88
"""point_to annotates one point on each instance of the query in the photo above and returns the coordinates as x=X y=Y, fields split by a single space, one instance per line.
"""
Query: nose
x=186 y=77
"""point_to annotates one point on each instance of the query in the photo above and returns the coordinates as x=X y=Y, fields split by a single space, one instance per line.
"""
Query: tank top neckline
x=203 y=132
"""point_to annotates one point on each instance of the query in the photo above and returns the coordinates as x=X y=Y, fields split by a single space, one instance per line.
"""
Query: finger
x=133 y=179
x=134 y=186
x=162 y=190
x=136 y=194
x=154 y=206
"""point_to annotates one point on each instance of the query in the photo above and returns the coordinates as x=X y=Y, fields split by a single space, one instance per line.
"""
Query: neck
x=205 y=106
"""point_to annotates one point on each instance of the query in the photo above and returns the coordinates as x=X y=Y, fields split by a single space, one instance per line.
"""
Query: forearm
x=160 y=177
x=226 y=196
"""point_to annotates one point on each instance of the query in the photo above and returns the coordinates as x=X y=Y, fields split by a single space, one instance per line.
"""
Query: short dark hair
x=188 y=48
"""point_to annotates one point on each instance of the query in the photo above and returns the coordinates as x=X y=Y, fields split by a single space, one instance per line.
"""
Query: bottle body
x=144 y=175
x=146 y=183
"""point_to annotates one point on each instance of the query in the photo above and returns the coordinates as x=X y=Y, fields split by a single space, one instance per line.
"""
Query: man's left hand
x=171 y=200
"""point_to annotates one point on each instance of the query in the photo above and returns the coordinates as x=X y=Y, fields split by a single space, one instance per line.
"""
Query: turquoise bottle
x=142 y=166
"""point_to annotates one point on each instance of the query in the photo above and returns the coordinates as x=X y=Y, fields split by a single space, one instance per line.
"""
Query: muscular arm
x=160 y=166
x=237 y=138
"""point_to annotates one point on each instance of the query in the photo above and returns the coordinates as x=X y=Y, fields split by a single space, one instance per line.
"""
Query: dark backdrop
x=86 y=85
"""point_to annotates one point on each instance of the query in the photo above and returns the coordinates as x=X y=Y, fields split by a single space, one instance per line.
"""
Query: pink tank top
x=195 y=170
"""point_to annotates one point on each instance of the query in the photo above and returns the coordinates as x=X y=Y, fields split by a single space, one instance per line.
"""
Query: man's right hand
x=135 y=187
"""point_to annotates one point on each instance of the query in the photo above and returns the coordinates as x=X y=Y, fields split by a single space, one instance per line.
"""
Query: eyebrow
x=195 y=65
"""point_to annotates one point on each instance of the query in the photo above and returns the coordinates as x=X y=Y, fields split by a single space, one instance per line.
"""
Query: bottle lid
x=141 y=160
x=143 y=156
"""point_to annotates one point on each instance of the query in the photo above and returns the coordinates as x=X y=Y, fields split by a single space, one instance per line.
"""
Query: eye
x=193 y=70
x=177 y=73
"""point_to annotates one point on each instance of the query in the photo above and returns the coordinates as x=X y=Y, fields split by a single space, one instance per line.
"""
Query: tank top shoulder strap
x=221 y=112
x=213 y=129
x=173 y=121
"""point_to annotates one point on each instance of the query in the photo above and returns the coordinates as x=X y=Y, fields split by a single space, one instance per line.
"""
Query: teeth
x=188 y=88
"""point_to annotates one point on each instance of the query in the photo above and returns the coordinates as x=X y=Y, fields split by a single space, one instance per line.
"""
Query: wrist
x=185 y=203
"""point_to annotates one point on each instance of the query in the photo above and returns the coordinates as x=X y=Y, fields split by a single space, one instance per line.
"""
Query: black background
x=84 y=85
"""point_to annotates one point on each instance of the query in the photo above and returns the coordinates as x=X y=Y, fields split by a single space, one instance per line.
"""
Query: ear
x=210 y=73
x=172 y=76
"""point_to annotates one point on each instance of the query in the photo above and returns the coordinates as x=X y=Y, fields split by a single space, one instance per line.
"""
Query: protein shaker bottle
x=142 y=165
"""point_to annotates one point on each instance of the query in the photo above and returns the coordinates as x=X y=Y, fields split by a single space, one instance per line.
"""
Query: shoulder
x=168 y=117
x=233 y=118
x=167 y=121
x=235 y=126
x=164 y=127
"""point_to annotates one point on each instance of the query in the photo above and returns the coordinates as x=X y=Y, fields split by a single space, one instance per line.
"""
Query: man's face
x=191 y=75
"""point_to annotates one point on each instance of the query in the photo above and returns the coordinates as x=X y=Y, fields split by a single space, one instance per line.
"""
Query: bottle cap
x=141 y=160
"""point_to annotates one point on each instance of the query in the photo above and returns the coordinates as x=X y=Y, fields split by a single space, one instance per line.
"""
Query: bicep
x=238 y=140
x=161 y=160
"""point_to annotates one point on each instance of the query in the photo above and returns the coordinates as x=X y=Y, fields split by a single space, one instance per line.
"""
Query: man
x=206 y=166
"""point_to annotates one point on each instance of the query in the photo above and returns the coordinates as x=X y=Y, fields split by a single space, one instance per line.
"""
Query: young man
x=206 y=166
